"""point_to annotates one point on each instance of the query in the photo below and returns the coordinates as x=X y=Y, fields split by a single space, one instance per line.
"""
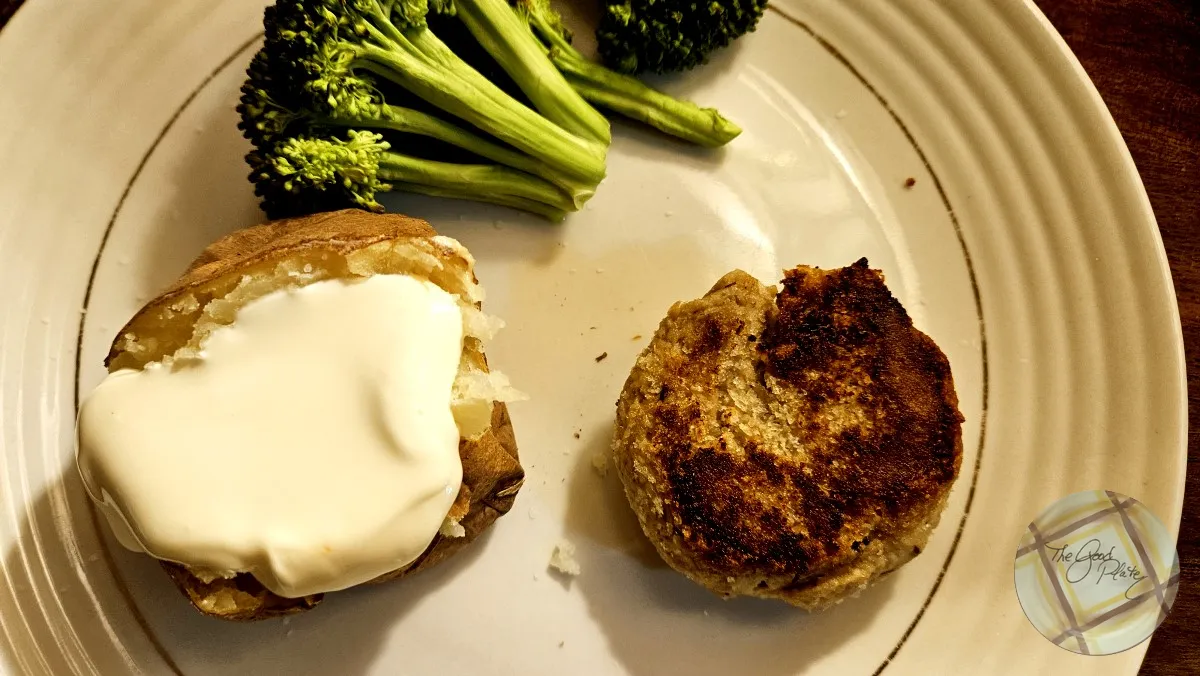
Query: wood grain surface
x=1144 y=56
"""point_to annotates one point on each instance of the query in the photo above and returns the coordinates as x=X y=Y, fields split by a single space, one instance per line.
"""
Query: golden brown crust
x=796 y=449
x=492 y=472
x=338 y=231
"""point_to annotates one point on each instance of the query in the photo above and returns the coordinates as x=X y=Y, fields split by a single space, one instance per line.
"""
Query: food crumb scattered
x=532 y=515
x=910 y=182
x=593 y=328
x=841 y=115
x=600 y=464
x=599 y=271
x=669 y=214
x=561 y=643
x=577 y=435
x=637 y=337
x=563 y=560
x=602 y=357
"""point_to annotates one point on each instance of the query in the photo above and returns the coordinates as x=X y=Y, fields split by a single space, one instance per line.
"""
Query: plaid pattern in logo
x=1096 y=572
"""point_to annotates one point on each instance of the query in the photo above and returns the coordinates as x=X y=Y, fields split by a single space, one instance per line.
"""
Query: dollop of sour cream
x=311 y=444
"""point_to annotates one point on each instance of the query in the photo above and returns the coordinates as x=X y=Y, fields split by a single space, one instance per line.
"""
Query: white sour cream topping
x=312 y=444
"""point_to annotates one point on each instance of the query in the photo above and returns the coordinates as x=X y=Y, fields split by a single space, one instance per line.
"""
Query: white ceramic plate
x=1026 y=248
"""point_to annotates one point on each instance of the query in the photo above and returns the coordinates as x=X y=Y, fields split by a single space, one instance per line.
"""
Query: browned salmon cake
x=796 y=445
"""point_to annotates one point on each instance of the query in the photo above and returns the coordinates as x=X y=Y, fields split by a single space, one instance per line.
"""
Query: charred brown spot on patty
x=834 y=338
x=841 y=336
x=776 y=444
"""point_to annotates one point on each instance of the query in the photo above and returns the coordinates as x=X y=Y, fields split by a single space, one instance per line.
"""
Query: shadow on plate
x=186 y=218
x=62 y=567
x=658 y=622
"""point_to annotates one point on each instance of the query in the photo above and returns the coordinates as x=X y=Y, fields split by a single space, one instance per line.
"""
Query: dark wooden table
x=1144 y=56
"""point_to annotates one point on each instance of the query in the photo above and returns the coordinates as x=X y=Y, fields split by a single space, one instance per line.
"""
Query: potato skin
x=492 y=472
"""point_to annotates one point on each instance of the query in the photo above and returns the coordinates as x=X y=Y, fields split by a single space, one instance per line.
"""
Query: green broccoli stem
x=625 y=94
x=406 y=120
x=504 y=35
x=482 y=182
x=548 y=212
x=518 y=126
x=629 y=97
x=432 y=47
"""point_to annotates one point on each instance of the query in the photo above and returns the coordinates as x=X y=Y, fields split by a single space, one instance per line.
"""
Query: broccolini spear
x=502 y=34
x=313 y=103
x=304 y=175
x=622 y=93
x=326 y=54
x=270 y=113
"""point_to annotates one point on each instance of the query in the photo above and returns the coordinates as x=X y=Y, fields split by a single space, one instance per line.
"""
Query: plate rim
x=1131 y=179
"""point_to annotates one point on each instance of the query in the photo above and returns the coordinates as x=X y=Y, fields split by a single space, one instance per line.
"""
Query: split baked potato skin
x=252 y=262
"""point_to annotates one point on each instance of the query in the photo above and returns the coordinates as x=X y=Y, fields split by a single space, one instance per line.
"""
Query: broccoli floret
x=622 y=93
x=265 y=120
x=316 y=100
x=662 y=36
x=319 y=72
x=303 y=175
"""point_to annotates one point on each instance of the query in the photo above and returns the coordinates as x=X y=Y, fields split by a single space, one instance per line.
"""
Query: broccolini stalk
x=629 y=97
x=303 y=175
x=503 y=35
x=554 y=98
x=323 y=46
x=264 y=121
x=620 y=93
x=519 y=203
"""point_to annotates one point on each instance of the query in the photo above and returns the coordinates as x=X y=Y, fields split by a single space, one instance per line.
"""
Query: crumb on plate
x=563 y=560
x=600 y=463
